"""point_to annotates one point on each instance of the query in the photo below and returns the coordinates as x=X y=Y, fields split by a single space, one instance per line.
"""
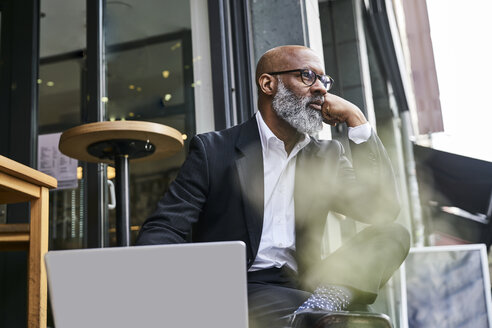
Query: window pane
x=59 y=95
x=150 y=78
x=60 y=98
x=156 y=87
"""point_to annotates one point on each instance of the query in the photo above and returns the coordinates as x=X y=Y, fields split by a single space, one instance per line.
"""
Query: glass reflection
x=60 y=86
x=149 y=78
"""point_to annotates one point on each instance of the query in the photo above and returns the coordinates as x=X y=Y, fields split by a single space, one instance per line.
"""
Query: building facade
x=190 y=65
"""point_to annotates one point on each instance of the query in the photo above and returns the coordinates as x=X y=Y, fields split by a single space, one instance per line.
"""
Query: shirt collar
x=267 y=135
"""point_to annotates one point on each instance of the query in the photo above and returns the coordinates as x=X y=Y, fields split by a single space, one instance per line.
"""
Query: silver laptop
x=182 y=285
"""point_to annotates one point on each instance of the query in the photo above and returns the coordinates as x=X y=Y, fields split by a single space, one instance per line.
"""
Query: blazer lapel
x=249 y=165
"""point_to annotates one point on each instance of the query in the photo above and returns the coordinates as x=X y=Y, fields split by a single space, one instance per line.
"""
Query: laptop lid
x=180 y=285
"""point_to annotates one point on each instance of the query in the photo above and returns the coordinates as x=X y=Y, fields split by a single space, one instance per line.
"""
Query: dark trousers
x=364 y=264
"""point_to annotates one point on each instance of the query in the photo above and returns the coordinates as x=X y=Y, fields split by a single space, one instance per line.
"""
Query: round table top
x=74 y=142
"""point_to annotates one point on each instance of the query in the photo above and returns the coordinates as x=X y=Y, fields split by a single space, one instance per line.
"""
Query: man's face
x=295 y=102
x=297 y=109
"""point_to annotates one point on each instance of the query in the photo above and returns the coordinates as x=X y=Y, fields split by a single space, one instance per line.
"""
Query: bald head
x=281 y=58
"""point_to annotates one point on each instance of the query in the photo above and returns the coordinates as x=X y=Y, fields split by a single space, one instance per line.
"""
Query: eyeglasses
x=308 y=77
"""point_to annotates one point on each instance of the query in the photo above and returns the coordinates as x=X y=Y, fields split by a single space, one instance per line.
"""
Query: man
x=270 y=184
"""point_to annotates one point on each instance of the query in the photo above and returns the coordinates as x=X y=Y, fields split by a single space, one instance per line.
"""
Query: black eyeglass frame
x=328 y=85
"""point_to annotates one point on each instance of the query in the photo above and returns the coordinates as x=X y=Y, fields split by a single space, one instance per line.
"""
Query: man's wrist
x=356 y=120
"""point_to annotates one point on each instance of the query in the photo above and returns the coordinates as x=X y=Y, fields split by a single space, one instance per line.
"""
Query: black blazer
x=218 y=193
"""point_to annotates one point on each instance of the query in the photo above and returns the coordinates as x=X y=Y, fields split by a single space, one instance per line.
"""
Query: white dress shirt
x=277 y=243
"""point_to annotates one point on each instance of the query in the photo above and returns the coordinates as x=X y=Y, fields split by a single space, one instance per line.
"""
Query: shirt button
x=280 y=244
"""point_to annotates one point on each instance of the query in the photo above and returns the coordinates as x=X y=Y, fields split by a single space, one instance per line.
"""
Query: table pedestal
x=122 y=168
x=120 y=151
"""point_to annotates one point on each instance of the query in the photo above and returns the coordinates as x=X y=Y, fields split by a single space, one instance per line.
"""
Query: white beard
x=295 y=110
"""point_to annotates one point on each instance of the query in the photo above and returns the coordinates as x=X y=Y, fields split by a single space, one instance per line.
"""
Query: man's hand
x=338 y=110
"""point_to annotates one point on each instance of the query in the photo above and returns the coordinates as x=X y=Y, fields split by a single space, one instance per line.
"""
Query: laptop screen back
x=183 y=285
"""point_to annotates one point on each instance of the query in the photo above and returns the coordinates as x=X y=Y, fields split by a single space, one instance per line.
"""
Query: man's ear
x=267 y=84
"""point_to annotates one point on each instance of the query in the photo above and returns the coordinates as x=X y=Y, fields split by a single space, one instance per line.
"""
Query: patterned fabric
x=327 y=298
